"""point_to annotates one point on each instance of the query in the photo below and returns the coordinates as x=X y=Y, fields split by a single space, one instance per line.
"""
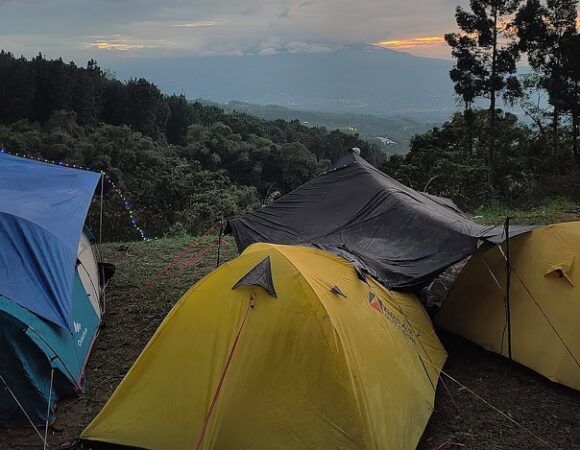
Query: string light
x=133 y=219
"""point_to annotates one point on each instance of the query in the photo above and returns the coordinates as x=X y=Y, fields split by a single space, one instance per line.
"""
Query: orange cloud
x=104 y=45
x=411 y=43
x=125 y=43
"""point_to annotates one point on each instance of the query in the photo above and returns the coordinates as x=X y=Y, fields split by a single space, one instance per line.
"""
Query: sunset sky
x=110 y=29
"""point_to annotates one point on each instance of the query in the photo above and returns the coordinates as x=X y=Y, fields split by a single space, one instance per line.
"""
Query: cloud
x=201 y=27
x=306 y=47
x=268 y=51
x=124 y=43
x=411 y=43
x=194 y=24
x=275 y=45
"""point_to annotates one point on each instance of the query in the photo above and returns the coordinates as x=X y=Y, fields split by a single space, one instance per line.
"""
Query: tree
x=114 y=104
x=571 y=97
x=543 y=31
x=468 y=77
x=87 y=99
x=54 y=82
x=16 y=88
x=180 y=118
x=486 y=57
x=147 y=111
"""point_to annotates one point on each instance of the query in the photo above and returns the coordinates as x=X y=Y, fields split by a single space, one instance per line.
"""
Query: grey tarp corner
x=260 y=275
x=401 y=236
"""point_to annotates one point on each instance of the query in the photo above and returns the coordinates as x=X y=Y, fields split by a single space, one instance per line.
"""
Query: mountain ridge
x=365 y=79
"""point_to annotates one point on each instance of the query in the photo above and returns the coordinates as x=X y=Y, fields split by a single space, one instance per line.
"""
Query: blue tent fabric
x=31 y=347
x=42 y=211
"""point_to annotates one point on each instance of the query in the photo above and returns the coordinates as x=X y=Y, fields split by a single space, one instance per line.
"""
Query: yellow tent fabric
x=544 y=301
x=330 y=362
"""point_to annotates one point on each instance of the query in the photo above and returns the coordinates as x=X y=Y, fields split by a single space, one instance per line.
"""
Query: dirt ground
x=548 y=414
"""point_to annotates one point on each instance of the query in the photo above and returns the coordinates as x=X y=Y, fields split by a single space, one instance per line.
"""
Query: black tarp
x=402 y=237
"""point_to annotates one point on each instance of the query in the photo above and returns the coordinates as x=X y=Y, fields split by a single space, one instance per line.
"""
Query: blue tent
x=49 y=315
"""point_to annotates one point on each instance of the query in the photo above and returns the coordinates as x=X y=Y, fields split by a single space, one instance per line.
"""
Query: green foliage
x=553 y=211
x=398 y=129
x=222 y=170
x=486 y=53
x=527 y=171
x=547 y=33
x=177 y=230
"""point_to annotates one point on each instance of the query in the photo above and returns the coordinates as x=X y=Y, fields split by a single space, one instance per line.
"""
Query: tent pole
x=101 y=266
x=508 y=272
x=219 y=246
x=101 y=212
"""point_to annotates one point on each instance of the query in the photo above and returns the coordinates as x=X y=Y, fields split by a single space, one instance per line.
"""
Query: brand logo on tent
x=77 y=327
x=378 y=306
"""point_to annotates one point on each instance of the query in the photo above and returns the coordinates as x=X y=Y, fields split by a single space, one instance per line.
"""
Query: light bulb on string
x=106 y=176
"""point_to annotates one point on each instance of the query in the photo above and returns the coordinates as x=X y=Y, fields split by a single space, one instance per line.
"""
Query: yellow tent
x=544 y=301
x=282 y=348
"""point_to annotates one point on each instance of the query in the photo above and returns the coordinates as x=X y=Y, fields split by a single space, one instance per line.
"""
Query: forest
x=183 y=165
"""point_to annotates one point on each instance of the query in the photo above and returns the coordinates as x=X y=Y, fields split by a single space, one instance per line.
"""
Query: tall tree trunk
x=468 y=120
x=492 y=107
x=556 y=129
x=575 y=137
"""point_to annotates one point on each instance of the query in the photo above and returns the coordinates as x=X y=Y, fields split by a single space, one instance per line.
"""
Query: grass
x=152 y=275
x=556 y=210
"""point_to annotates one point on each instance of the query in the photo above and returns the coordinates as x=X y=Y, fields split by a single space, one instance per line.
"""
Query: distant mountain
x=359 y=79
x=392 y=134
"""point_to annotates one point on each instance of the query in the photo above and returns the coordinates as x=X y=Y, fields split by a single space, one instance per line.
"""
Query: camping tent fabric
x=402 y=237
x=544 y=301
x=42 y=212
x=332 y=361
x=31 y=347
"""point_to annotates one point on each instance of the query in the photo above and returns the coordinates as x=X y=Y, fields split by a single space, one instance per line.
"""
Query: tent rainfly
x=49 y=287
x=538 y=323
x=402 y=237
x=283 y=347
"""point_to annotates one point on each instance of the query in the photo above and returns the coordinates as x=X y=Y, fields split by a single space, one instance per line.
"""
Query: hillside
x=391 y=134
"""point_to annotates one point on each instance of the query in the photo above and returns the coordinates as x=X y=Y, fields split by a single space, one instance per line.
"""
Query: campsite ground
x=136 y=304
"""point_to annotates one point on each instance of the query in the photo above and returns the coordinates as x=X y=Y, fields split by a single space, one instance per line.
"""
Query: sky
x=113 y=29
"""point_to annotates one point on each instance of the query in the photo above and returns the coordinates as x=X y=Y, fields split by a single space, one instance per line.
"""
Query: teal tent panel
x=32 y=346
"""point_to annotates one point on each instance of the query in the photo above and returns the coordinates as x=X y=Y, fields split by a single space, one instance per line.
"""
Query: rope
x=195 y=258
x=496 y=409
x=22 y=409
x=221 y=381
x=463 y=386
x=171 y=264
x=48 y=409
